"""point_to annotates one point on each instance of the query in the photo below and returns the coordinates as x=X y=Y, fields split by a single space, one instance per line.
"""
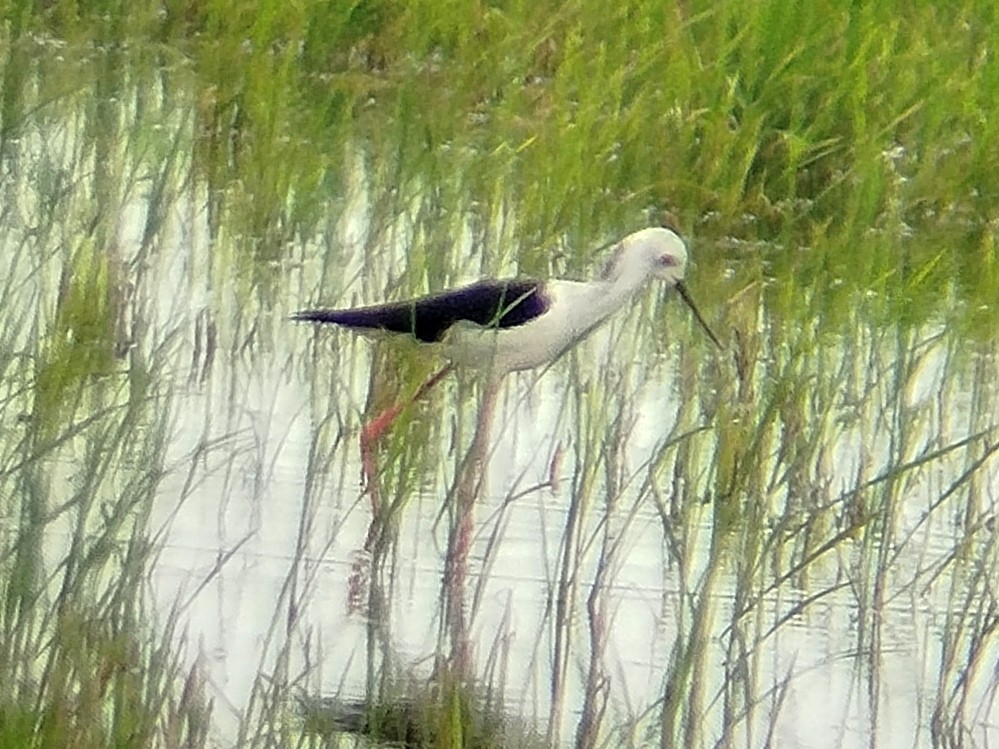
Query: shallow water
x=240 y=528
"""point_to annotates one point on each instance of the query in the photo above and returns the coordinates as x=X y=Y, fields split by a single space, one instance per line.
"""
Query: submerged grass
x=81 y=663
x=836 y=169
x=445 y=714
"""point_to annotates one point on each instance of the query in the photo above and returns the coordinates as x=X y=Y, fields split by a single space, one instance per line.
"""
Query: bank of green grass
x=808 y=129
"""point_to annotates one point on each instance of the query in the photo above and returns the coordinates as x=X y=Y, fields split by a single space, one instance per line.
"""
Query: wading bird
x=503 y=326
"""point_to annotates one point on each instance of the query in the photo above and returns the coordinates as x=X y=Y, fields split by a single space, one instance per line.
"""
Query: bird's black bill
x=681 y=287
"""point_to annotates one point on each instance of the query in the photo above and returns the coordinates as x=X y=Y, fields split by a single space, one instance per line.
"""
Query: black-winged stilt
x=502 y=326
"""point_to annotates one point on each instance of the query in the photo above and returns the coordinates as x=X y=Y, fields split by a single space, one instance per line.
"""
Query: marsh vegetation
x=791 y=542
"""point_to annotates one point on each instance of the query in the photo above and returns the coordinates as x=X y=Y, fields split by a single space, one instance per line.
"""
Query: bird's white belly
x=506 y=350
x=570 y=317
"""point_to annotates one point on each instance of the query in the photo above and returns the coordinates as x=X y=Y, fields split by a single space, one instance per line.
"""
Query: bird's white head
x=653 y=253
x=647 y=254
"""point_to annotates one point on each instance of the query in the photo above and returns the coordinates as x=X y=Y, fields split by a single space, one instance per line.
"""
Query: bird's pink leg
x=374 y=430
x=468 y=485
x=371 y=434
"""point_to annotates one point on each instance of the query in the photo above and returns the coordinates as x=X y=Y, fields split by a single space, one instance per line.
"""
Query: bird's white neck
x=604 y=297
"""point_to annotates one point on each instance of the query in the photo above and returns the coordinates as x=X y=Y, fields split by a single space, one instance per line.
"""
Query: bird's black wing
x=501 y=304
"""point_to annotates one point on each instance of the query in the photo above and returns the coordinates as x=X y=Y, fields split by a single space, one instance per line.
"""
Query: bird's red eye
x=667 y=261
